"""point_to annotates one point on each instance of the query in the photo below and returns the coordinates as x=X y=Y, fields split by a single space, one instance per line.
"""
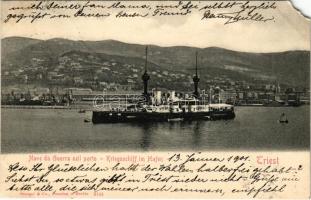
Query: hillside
x=11 y=44
x=291 y=67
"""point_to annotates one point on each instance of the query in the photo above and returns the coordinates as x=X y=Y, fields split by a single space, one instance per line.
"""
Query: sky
x=289 y=31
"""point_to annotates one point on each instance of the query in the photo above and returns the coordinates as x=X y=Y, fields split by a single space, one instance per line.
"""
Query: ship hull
x=121 y=117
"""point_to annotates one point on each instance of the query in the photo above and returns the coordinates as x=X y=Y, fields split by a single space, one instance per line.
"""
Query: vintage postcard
x=155 y=99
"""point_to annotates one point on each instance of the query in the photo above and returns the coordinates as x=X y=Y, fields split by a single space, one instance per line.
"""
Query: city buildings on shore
x=265 y=95
x=76 y=79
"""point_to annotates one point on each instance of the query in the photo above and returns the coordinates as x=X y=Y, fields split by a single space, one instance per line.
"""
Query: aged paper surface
x=145 y=99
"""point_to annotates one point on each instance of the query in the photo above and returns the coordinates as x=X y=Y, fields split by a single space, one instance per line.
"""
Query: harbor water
x=60 y=130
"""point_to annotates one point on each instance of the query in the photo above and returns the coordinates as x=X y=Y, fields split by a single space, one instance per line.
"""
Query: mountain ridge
x=286 y=66
x=172 y=46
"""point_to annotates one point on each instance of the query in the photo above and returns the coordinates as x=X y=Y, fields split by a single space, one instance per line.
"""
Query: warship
x=157 y=107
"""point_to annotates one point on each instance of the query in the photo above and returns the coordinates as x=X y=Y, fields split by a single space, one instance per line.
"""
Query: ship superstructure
x=156 y=107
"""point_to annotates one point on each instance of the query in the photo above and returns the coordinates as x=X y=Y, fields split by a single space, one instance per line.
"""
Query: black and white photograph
x=185 y=76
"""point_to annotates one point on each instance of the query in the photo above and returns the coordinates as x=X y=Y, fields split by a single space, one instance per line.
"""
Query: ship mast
x=145 y=77
x=196 y=78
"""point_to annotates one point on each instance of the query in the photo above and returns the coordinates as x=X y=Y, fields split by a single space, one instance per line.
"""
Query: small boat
x=81 y=111
x=87 y=120
x=283 y=119
x=175 y=119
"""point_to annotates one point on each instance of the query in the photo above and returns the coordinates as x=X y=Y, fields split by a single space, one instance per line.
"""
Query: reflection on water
x=196 y=134
x=254 y=128
x=147 y=131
